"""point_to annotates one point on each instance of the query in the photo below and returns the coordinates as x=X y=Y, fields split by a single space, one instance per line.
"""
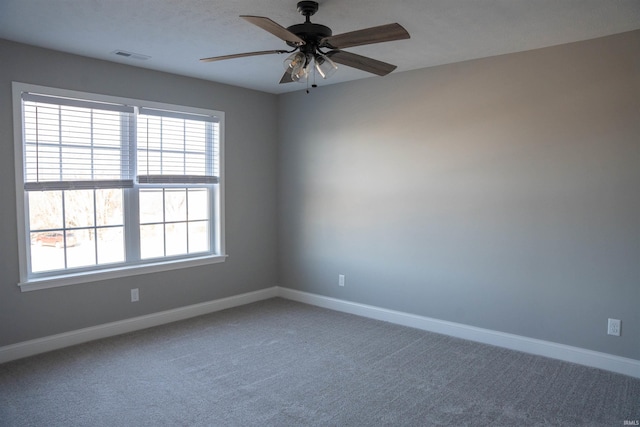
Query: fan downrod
x=308 y=31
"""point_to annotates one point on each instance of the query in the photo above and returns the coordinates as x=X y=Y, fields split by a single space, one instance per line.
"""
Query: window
x=110 y=187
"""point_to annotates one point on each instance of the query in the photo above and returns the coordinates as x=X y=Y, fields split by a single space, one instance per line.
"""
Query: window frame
x=33 y=281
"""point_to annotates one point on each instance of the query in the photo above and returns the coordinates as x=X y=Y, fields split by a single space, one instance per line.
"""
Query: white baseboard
x=54 y=342
x=563 y=352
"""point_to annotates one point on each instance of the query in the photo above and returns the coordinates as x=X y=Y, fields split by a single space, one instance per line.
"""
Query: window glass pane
x=109 y=208
x=78 y=208
x=151 y=241
x=110 y=245
x=176 y=238
x=44 y=254
x=45 y=209
x=151 y=206
x=81 y=248
x=198 y=204
x=198 y=236
x=175 y=202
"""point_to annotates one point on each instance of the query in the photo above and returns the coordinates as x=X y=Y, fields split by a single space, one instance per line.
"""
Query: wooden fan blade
x=286 y=78
x=242 y=55
x=274 y=28
x=361 y=62
x=382 y=33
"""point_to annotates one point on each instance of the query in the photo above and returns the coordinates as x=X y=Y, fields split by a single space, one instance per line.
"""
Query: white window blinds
x=75 y=144
x=177 y=148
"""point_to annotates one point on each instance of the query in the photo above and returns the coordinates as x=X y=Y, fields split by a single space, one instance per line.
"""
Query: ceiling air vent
x=132 y=55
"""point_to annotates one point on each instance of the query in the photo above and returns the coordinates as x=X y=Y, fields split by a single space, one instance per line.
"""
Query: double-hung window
x=108 y=187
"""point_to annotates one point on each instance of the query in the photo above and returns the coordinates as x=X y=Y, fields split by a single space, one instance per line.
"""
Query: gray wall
x=501 y=193
x=251 y=121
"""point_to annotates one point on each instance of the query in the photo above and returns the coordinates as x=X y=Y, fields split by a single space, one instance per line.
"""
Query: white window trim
x=71 y=278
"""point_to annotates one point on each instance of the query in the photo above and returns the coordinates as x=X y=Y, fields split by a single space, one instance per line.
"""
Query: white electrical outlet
x=340 y=279
x=613 y=327
x=135 y=295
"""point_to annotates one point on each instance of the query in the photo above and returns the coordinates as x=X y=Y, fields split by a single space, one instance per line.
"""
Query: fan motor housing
x=309 y=32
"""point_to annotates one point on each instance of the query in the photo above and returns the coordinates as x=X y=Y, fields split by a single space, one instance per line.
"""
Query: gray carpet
x=283 y=363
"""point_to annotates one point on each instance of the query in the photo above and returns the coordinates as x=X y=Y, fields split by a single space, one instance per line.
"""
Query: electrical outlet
x=135 y=295
x=613 y=327
x=340 y=279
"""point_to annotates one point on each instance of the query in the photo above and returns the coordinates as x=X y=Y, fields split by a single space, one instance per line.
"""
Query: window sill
x=94 y=276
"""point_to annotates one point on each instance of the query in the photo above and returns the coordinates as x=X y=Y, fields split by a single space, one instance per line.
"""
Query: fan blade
x=382 y=33
x=274 y=28
x=242 y=55
x=286 y=78
x=361 y=62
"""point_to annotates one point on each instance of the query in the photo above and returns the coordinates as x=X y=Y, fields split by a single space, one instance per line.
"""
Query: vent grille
x=126 y=54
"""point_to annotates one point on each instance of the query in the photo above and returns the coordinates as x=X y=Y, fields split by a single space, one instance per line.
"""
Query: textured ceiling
x=174 y=34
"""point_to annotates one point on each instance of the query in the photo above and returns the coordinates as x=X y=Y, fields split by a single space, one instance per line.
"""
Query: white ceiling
x=176 y=33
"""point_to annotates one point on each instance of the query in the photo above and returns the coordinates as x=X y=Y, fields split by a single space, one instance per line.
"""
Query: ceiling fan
x=316 y=49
